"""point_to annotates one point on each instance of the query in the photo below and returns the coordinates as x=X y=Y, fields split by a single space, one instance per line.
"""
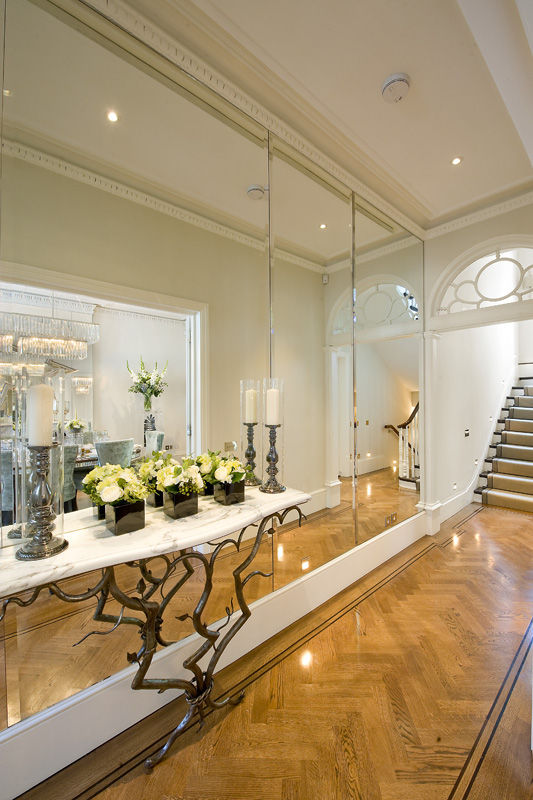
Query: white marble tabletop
x=94 y=546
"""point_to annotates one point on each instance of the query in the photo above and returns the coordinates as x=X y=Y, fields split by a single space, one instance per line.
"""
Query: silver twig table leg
x=147 y=607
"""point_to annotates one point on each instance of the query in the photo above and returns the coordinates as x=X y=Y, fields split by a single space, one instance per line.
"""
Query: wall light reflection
x=306 y=659
x=280 y=552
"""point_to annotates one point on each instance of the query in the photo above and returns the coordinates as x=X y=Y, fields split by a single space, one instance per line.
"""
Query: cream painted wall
x=53 y=222
x=474 y=370
x=298 y=357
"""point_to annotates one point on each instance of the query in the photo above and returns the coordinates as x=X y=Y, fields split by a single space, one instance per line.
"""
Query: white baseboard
x=94 y=715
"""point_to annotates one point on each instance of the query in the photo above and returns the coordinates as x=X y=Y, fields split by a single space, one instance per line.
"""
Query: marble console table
x=95 y=548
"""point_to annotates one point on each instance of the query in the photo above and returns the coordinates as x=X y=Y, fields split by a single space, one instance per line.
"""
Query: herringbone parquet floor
x=385 y=700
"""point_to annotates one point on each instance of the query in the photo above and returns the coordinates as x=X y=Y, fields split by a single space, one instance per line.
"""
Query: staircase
x=408 y=434
x=508 y=481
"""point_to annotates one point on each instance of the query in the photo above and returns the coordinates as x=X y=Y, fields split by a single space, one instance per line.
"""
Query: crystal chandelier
x=46 y=336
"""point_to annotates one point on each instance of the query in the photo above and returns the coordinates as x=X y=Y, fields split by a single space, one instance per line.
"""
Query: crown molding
x=480 y=216
x=134 y=23
x=20 y=297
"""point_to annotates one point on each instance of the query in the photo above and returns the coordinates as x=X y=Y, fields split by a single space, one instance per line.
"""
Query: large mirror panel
x=114 y=175
x=312 y=351
x=388 y=327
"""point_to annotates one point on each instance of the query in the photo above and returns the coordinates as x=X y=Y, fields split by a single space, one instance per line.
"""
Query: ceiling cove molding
x=125 y=192
x=480 y=216
x=137 y=25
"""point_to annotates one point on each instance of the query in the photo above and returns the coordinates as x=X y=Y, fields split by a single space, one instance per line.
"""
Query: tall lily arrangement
x=149 y=384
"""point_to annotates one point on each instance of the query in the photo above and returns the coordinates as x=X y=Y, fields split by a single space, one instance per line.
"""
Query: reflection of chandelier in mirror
x=46 y=336
x=82 y=385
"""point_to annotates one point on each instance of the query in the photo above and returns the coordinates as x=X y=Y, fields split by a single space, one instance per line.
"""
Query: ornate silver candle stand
x=271 y=485
x=250 y=454
x=43 y=543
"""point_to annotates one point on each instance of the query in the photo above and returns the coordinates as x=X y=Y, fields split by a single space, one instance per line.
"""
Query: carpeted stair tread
x=510 y=483
x=519 y=425
x=517 y=437
x=514 y=451
x=515 y=412
x=524 y=401
x=512 y=466
x=514 y=500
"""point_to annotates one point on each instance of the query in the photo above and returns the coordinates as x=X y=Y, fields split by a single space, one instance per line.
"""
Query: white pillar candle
x=40 y=414
x=250 y=406
x=272 y=407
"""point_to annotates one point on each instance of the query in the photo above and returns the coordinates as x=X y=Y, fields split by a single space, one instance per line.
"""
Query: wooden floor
x=40 y=667
x=414 y=684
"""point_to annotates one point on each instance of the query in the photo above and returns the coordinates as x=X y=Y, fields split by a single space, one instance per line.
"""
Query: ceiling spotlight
x=112 y=116
x=6 y=92
x=255 y=191
x=457 y=160
x=395 y=87
x=323 y=226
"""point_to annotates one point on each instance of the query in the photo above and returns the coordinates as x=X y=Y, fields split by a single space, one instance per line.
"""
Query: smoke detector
x=255 y=192
x=395 y=87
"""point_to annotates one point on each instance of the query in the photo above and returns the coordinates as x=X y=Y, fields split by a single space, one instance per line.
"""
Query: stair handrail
x=414 y=412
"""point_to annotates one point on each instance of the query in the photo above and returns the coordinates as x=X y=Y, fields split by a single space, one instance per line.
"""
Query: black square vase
x=229 y=493
x=125 y=518
x=99 y=512
x=180 y=505
x=209 y=489
x=155 y=499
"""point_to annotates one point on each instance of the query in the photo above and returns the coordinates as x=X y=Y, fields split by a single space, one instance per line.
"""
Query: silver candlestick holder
x=251 y=478
x=271 y=485
x=40 y=527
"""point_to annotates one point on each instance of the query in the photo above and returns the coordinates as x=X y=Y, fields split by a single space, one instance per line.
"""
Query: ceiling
x=320 y=67
x=62 y=84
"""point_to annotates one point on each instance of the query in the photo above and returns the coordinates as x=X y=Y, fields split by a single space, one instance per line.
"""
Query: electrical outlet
x=168 y=447
x=394 y=517
x=387 y=522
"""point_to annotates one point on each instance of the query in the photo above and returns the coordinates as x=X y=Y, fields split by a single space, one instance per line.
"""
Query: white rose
x=205 y=467
x=169 y=480
x=159 y=463
x=111 y=493
x=199 y=482
x=221 y=474
x=193 y=470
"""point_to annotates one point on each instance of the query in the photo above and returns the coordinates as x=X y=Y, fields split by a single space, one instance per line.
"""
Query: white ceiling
x=61 y=86
x=470 y=65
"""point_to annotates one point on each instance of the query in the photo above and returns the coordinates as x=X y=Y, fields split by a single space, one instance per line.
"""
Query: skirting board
x=68 y=730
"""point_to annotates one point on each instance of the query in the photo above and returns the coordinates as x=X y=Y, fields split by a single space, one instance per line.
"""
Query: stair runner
x=509 y=483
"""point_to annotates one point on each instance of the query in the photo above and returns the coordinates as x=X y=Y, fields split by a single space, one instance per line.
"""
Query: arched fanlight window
x=382 y=304
x=503 y=276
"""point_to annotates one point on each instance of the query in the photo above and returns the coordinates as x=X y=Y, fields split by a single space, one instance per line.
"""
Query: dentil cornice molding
x=90 y=178
x=480 y=216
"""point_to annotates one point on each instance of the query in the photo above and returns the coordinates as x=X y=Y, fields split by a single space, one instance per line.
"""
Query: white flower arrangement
x=207 y=464
x=151 y=465
x=113 y=484
x=149 y=384
x=76 y=425
x=180 y=478
x=229 y=470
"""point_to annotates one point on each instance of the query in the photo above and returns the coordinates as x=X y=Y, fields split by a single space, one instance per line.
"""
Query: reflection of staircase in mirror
x=408 y=450
x=508 y=481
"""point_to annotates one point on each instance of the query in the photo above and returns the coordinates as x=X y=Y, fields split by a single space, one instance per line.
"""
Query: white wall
x=125 y=337
x=525 y=346
x=382 y=398
x=474 y=371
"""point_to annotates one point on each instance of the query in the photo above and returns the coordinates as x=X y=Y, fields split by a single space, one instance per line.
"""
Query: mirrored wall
x=140 y=208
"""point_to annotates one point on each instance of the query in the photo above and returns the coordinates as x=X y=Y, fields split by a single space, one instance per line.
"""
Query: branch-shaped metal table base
x=147 y=611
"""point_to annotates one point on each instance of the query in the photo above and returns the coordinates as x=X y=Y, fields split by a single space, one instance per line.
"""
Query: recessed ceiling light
x=457 y=160
x=323 y=226
x=112 y=116
x=6 y=92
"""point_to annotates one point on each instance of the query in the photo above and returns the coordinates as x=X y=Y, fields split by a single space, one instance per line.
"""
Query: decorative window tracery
x=382 y=304
x=497 y=278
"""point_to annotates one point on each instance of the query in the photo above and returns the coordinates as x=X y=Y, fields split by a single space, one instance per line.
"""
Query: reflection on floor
x=41 y=666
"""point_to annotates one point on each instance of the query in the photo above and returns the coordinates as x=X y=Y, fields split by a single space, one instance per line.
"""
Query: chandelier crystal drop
x=46 y=336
